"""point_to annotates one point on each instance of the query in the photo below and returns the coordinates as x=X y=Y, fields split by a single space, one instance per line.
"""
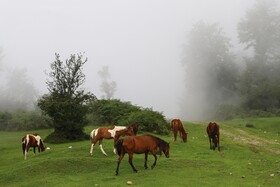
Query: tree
x=19 y=93
x=111 y=111
x=108 y=88
x=210 y=71
x=66 y=103
x=259 y=30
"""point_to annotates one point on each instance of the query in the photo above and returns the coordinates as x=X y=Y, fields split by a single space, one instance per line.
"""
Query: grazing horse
x=176 y=125
x=32 y=140
x=109 y=133
x=213 y=131
x=141 y=144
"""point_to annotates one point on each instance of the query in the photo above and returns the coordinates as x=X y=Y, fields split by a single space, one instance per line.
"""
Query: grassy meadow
x=250 y=156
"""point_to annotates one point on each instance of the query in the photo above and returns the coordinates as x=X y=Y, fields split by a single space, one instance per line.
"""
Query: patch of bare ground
x=252 y=140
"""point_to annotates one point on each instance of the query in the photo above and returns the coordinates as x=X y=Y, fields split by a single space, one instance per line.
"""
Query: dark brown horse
x=109 y=133
x=176 y=125
x=213 y=131
x=141 y=144
x=32 y=140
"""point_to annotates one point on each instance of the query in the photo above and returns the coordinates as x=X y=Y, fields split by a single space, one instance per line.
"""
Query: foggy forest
x=221 y=70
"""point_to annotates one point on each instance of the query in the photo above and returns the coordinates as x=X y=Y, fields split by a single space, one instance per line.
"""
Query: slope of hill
x=250 y=156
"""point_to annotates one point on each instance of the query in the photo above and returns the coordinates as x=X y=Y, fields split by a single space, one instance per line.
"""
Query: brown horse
x=141 y=144
x=176 y=125
x=109 y=133
x=213 y=131
x=32 y=140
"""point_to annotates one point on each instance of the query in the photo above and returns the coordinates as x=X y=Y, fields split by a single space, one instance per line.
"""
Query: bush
x=149 y=121
x=227 y=112
x=113 y=111
x=23 y=121
x=116 y=112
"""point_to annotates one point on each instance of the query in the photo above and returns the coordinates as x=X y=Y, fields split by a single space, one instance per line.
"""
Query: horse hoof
x=135 y=171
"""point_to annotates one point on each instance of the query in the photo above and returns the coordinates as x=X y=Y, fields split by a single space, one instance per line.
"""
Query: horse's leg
x=101 y=147
x=155 y=162
x=115 y=140
x=146 y=159
x=130 y=162
x=91 y=149
x=218 y=136
x=175 y=135
x=181 y=135
x=119 y=162
x=210 y=142
x=26 y=150
x=34 y=150
x=93 y=142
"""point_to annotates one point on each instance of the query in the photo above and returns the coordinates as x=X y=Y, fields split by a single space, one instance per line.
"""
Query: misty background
x=150 y=51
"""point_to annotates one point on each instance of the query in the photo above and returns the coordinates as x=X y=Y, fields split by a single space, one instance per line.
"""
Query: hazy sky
x=139 y=40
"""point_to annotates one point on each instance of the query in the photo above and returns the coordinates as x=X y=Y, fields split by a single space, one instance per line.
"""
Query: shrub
x=149 y=121
x=113 y=111
x=23 y=121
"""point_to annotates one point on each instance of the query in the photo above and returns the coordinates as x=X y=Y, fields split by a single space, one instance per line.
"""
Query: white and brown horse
x=110 y=133
x=32 y=140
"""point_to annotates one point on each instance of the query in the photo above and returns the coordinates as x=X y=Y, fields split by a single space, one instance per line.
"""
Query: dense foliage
x=15 y=121
x=66 y=104
x=223 y=84
x=149 y=121
x=116 y=112
x=259 y=30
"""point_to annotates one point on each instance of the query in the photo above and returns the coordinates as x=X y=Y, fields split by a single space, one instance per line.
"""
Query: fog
x=139 y=41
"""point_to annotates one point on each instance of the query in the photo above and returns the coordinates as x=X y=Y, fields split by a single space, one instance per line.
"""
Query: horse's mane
x=183 y=130
x=160 y=142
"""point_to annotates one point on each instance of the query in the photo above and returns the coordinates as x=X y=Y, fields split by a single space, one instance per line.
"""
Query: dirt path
x=253 y=140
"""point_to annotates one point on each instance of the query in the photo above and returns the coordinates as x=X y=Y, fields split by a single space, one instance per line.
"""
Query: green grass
x=190 y=164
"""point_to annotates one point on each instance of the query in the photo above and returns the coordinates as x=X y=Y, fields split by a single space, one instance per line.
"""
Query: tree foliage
x=259 y=30
x=211 y=74
x=107 y=87
x=18 y=92
x=116 y=112
x=108 y=112
x=66 y=103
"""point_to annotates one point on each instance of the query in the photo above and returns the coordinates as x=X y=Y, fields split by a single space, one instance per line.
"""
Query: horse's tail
x=118 y=146
x=23 y=145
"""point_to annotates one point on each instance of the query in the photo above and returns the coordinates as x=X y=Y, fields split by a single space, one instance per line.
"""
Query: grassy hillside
x=250 y=156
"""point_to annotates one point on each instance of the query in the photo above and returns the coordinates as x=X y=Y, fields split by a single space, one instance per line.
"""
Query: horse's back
x=213 y=128
x=139 y=144
x=176 y=124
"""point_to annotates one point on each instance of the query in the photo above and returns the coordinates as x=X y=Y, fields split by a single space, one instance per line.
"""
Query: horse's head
x=42 y=146
x=215 y=142
x=135 y=128
x=184 y=136
x=130 y=131
x=165 y=149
